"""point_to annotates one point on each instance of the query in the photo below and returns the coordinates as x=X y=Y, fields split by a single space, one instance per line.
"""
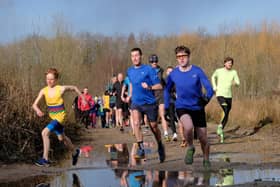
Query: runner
x=190 y=102
x=125 y=96
x=171 y=109
x=53 y=96
x=222 y=80
x=85 y=108
x=153 y=60
x=112 y=115
x=117 y=89
x=143 y=80
x=106 y=110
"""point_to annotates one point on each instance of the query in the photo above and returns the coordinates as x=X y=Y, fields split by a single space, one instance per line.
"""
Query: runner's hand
x=145 y=85
x=39 y=113
x=204 y=101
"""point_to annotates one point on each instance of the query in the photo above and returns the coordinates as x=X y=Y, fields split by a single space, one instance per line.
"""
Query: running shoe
x=189 y=156
x=75 y=157
x=42 y=162
x=183 y=143
x=174 y=138
x=222 y=138
x=161 y=153
x=140 y=154
x=166 y=138
x=220 y=129
x=121 y=129
x=206 y=164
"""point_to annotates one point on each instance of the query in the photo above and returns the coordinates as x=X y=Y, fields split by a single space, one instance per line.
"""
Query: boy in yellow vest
x=53 y=96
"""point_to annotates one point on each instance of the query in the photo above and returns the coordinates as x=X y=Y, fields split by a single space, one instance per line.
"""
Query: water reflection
x=119 y=155
x=160 y=178
x=76 y=180
x=115 y=166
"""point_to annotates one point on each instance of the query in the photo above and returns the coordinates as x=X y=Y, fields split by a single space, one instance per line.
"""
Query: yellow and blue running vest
x=55 y=104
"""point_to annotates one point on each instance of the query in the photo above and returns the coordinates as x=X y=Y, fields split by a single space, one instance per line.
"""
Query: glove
x=204 y=101
x=166 y=114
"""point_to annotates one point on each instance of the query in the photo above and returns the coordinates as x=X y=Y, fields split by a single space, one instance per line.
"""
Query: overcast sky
x=19 y=18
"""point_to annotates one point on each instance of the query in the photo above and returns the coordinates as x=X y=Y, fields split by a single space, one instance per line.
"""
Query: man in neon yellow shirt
x=223 y=79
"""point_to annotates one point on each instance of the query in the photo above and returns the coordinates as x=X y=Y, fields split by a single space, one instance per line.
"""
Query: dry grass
x=90 y=60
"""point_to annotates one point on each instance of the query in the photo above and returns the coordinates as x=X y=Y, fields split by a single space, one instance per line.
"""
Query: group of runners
x=183 y=95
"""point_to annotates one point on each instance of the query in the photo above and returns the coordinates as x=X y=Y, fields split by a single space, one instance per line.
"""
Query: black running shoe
x=75 y=157
x=161 y=153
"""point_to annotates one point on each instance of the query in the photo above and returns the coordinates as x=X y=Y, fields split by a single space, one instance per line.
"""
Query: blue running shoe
x=140 y=154
x=42 y=162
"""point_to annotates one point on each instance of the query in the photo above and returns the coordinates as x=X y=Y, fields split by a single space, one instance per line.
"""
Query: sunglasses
x=181 y=56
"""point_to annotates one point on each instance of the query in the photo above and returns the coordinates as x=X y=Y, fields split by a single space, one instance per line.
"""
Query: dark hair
x=136 y=49
x=53 y=71
x=182 y=48
x=153 y=58
x=169 y=67
x=228 y=59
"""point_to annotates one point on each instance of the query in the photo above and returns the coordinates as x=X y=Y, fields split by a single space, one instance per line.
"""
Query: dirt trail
x=244 y=151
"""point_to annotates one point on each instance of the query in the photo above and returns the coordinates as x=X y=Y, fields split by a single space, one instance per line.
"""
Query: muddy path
x=241 y=150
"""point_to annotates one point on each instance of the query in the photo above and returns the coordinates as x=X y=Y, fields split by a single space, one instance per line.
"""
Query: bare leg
x=119 y=117
x=46 y=143
x=136 y=120
x=205 y=147
x=181 y=130
x=188 y=128
x=163 y=121
x=156 y=131
x=131 y=122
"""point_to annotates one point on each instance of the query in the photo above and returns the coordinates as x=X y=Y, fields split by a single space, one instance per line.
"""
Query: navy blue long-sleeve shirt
x=188 y=88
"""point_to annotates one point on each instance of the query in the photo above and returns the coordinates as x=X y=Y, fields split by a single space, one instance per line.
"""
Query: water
x=109 y=177
x=111 y=170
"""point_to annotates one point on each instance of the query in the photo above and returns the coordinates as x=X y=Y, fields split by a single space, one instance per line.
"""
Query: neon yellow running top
x=222 y=81
x=55 y=104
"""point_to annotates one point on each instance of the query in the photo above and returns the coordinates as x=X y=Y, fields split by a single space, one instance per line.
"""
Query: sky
x=20 y=18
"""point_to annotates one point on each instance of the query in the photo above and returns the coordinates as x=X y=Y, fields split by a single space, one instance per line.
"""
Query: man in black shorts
x=188 y=80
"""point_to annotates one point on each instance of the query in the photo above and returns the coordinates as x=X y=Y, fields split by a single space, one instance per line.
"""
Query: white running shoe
x=174 y=138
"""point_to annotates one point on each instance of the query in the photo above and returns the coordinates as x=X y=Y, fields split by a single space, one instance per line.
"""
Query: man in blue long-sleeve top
x=188 y=80
x=143 y=81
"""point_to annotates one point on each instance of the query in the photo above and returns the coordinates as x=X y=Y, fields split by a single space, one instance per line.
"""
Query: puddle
x=237 y=157
x=109 y=168
x=235 y=176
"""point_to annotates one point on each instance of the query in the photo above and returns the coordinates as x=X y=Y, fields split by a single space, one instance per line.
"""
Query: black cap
x=153 y=58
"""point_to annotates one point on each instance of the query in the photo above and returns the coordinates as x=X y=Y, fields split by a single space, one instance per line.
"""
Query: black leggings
x=85 y=119
x=225 y=103
x=172 y=115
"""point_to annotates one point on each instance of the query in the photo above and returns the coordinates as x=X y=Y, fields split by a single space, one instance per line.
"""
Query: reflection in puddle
x=121 y=157
x=38 y=181
x=131 y=178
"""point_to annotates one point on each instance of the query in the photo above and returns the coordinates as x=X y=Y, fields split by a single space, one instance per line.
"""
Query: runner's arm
x=236 y=79
x=169 y=85
x=213 y=80
x=35 y=104
x=207 y=85
x=73 y=88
